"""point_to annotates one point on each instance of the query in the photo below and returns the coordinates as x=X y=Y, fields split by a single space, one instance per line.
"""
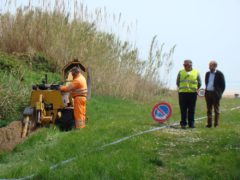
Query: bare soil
x=10 y=136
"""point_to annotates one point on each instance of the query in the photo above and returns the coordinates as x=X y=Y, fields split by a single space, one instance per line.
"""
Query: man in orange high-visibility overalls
x=78 y=90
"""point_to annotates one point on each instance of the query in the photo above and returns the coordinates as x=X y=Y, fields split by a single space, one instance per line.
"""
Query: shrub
x=14 y=97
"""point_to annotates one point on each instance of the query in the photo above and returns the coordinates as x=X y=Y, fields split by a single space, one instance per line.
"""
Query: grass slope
x=169 y=153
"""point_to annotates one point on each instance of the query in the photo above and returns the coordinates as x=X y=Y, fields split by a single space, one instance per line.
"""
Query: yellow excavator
x=50 y=106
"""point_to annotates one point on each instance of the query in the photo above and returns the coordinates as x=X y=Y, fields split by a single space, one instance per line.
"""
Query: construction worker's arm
x=64 y=88
x=69 y=87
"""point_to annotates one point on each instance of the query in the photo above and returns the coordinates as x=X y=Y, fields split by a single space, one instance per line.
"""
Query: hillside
x=49 y=36
x=40 y=40
x=116 y=144
x=120 y=141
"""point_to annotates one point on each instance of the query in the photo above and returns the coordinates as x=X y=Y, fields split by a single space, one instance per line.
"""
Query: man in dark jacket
x=215 y=86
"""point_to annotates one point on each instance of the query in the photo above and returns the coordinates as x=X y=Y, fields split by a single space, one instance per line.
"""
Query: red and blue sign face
x=161 y=112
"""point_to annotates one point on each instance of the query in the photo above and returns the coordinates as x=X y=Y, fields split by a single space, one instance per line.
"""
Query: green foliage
x=169 y=153
x=12 y=91
x=10 y=65
x=41 y=63
x=61 y=36
x=17 y=78
x=5 y=66
x=13 y=97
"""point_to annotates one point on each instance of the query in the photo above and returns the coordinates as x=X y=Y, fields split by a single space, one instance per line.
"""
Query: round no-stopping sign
x=161 y=112
x=201 y=92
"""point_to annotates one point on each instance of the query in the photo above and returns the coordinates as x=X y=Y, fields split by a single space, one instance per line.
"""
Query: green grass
x=169 y=153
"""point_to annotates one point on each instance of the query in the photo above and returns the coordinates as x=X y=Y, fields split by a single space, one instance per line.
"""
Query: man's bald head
x=212 y=65
x=187 y=65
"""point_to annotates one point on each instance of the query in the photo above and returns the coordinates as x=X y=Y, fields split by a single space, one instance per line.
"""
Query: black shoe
x=183 y=127
x=208 y=126
x=215 y=126
x=192 y=127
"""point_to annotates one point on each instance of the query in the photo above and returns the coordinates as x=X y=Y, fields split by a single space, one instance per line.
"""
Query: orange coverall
x=78 y=90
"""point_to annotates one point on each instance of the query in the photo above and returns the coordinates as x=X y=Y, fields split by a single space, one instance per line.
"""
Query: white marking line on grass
x=128 y=137
x=235 y=108
x=62 y=163
x=51 y=168
x=144 y=132
x=112 y=143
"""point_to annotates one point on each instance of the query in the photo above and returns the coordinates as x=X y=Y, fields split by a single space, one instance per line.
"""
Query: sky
x=202 y=30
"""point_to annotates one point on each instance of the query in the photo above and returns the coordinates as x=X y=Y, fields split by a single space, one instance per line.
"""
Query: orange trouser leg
x=80 y=111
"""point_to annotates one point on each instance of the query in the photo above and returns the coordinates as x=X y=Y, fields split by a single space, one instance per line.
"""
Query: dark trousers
x=212 y=101
x=187 y=103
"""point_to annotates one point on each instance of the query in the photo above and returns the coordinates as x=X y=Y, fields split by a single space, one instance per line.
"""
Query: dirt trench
x=10 y=136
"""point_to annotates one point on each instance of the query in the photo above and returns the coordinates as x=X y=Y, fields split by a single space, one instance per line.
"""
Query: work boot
x=79 y=124
x=209 y=122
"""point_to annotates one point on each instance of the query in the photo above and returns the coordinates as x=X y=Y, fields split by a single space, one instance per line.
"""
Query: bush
x=14 y=97
x=41 y=63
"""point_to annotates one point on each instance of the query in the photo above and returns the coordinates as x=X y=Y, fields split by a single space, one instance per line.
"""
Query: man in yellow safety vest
x=188 y=82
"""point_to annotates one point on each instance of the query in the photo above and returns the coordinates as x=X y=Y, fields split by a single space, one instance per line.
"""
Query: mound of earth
x=10 y=135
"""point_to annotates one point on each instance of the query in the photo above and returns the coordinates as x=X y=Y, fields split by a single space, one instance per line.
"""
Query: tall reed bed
x=62 y=30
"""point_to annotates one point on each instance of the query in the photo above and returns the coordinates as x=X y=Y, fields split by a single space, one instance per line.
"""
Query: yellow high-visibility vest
x=78 y=87
x=188 y=81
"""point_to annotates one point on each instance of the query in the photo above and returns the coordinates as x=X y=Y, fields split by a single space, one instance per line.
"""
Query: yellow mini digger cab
x=48 y=105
